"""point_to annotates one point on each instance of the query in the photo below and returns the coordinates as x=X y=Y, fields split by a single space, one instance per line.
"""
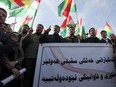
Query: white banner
x=72 y=65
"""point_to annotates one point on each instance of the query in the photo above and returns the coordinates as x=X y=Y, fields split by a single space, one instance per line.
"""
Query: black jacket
x=55 y=38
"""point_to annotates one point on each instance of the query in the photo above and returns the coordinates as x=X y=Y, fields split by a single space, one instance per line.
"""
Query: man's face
x=4 y=27
x=104 y=34
x=39 y=29
x=92 y=32
x=15 y=37
x=71 y=31
x=56 y=29
x=25 y=29
x=3 y=16
x=112 y=36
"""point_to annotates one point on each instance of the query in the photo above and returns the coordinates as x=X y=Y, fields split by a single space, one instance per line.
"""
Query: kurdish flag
x=32 y=10
x=5 y=2
x=98 y=34
x=18 y=12
x=27 y=9
x=68 y=22
x=73 y=6
x=19 y=3
x=13 y=4
x=62 y=6
x=108 y=29
x=26 y=21
x=19 y=7
x=65 y=7
x=82 y=29
x=63 y=27
x=77 y=29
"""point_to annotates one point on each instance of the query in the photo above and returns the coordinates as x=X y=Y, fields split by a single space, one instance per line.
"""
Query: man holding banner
x=5 y=47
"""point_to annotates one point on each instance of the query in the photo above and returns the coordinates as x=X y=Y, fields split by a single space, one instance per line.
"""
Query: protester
x=5 y=47
x=92 y=38
x=5 y=28
x=104 y=38
x=113 y=39
x=53 y=38
x=32 y=42
x=24 y=32
x=71 y=37
x=80 y=39
x=15 y=56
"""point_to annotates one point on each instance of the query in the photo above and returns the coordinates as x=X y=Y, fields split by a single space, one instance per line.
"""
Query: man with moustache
x=5 y=46
x=30 y=56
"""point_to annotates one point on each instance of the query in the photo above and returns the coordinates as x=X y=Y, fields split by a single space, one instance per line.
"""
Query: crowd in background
x=18 y=50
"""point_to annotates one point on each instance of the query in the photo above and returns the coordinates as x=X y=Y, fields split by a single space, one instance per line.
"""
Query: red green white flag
x=27 y=9
x=68 y=22
x=63 y=28
x=13 y=4
x=98 y=34
x=73 y=6
x=77 y=29
x=65 y=7
x=108 y=29
x=61 y=7
x=82 y=29
x=27 y=21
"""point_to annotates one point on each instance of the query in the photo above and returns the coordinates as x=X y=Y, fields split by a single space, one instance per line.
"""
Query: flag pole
x=76 y=10
x=35 y=15
x=14 y=22
x=76 y=16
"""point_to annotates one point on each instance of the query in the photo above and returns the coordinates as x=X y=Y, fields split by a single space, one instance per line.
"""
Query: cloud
x=96 y=12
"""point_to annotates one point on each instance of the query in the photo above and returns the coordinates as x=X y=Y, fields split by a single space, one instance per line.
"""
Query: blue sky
x=94 y=13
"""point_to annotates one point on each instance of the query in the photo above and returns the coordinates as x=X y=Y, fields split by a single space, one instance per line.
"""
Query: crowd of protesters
x=18 y=50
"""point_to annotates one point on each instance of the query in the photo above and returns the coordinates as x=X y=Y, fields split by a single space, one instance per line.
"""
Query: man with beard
x=104 y=38
x=71 y=38
x=54 y=38
x=32 y=42
x=5 y=28
x=92 y=38
x=5 y=47
x=25 y=31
